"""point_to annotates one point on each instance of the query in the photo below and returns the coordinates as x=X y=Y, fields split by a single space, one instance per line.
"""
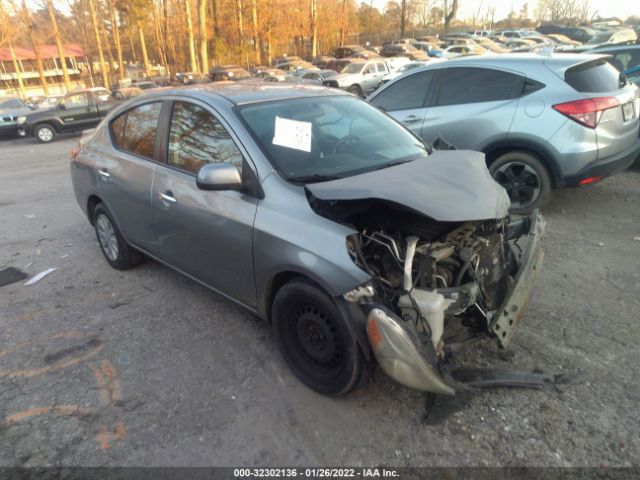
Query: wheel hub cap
x=107 y=237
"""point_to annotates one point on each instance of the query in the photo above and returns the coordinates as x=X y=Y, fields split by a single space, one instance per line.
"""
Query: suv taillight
x=587 y=112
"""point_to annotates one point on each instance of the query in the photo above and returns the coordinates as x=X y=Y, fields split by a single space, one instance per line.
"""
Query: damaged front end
x=432 y=282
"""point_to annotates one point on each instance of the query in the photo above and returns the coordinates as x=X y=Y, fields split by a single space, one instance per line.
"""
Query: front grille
x=8 y=119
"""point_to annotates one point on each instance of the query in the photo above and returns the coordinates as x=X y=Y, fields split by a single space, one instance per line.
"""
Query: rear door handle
x=168 y=198
x=104 y=174
x=411 y=119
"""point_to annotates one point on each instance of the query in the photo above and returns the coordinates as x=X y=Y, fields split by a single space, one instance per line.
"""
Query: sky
x=604 y=8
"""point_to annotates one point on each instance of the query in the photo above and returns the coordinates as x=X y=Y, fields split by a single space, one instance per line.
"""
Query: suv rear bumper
x=605 y=167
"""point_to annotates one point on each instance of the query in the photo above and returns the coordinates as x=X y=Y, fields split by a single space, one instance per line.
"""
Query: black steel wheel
x=525 y=179
x=315 y=340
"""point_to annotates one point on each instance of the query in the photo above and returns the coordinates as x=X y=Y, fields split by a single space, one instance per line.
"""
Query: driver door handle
x=168 y=198
x=104 y=174
x=411 y=119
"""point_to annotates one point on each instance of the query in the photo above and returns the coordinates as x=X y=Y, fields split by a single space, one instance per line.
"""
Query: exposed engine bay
x=427 y=274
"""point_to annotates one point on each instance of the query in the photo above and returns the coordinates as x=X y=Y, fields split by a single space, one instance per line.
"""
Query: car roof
x=248 y=93
x=615 y=48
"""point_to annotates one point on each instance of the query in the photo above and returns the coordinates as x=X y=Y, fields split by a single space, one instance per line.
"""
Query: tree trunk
x=403 y=17
x=192 y=43
x=240 y=27
x=313 y=24
x=16 y=67
x=26 y=22
x=160 y=39
x=449 y=14
x=115 y=30
x=105 y=40
x=256 y=40
x=202 y=22
x=143 y=47
x=342 y=23
x=96 y=31
x=60 y=47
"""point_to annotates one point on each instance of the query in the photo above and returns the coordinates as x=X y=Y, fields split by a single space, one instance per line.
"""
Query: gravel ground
x=145 y=367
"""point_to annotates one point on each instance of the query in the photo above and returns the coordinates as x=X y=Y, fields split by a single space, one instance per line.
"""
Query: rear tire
x=113 y=245
x=525 y=178
x=45 y=133
x=315 y=340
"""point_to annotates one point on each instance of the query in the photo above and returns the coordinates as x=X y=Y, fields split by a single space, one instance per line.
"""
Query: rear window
x=593 y=77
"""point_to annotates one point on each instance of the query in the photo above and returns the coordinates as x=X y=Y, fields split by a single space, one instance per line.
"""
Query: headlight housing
x=21 y=120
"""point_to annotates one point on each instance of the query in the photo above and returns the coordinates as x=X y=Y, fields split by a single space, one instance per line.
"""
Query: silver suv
x=360 y=77
x=542 y=121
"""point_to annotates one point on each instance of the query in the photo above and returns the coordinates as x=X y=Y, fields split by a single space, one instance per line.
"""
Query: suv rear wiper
x=313 y=178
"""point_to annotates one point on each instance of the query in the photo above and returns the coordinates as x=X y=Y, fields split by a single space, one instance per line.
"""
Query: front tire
x=113 y=245
x=315 y=340
x=45 y=133
x=356 y=90
x=525 y=178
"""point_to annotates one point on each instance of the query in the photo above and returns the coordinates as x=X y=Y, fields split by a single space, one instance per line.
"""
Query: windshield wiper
x=313 y=178
x=391 y=164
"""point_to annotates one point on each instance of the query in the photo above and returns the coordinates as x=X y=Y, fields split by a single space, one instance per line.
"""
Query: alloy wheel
x=521 y=182
x=107 y=237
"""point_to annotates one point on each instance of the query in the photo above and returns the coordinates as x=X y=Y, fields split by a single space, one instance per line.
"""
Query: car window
x=381 y=67
x=474 y=85
x=196 y=138
x=135 y=130
x=593 y=77
x=77 y=101
x=406 y=93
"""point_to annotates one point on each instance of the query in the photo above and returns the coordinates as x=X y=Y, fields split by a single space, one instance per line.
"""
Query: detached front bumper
x=413 y=362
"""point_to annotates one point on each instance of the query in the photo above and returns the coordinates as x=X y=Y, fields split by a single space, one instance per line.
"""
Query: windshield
x=322 y=138
x=353 y=68
x=11 y=104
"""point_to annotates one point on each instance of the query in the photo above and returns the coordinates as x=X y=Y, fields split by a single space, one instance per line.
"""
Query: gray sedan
x=320 y=214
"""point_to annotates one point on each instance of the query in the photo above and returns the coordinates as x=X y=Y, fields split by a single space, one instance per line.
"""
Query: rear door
x=407 y=98
x=205 y=234
x=618 y=126
x=125 y=172
x=473 y=106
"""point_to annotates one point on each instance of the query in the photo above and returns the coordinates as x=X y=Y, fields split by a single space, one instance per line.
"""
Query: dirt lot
x=100 y=367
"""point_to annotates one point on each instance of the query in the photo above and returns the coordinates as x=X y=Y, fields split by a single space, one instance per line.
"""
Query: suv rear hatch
x=610 y=105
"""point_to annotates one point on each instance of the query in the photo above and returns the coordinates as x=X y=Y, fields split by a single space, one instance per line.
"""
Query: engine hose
x=458 y=280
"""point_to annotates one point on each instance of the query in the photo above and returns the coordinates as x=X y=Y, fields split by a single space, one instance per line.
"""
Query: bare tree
x=192 y=42
x=59 y=45
x=313 y=26
x=449 y=13
x=96 y=31
x=30 y=26
x=202 y=31
x=563 y=11
x=115 y=31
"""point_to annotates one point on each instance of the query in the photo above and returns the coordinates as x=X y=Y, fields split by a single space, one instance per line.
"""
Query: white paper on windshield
x=292 y=134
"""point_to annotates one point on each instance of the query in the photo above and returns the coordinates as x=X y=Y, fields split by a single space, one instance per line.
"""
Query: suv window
x=196 y=138
x=381 y=67
x=407 y=93
x=12 y=104
x=593 y=77
x=474 y=85
x=135 y=129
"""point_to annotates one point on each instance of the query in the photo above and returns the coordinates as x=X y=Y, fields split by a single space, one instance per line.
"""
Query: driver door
x=206 y=234
x=78 y=113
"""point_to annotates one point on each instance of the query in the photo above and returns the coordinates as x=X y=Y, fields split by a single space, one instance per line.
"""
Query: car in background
x=512 y=43
x=432 y=39
x=616 y=36
x=579 y=34
x=562 y=40
x=491 y=45
x=322 y=216
x=144 y=84
x=633 y=75
x=285 y=58
x=192 y=78
x=542 y=121
x=338 y=64
x=366 y=54
x=623 y=57
x=295 y=65
x=125 y=93
x=13 y=116
x=76 y=111
x=271 y=74
x=360 y=77
x=403 y=50
x=317 y=76
x=321 y=61
x=462 y=50
x=229 y=73
x=347 y=51
x=407 y=67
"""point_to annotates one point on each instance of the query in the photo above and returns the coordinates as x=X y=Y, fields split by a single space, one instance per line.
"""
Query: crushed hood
x=448 y=186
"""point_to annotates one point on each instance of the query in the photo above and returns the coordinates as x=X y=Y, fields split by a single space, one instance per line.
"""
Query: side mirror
x=219 y=176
